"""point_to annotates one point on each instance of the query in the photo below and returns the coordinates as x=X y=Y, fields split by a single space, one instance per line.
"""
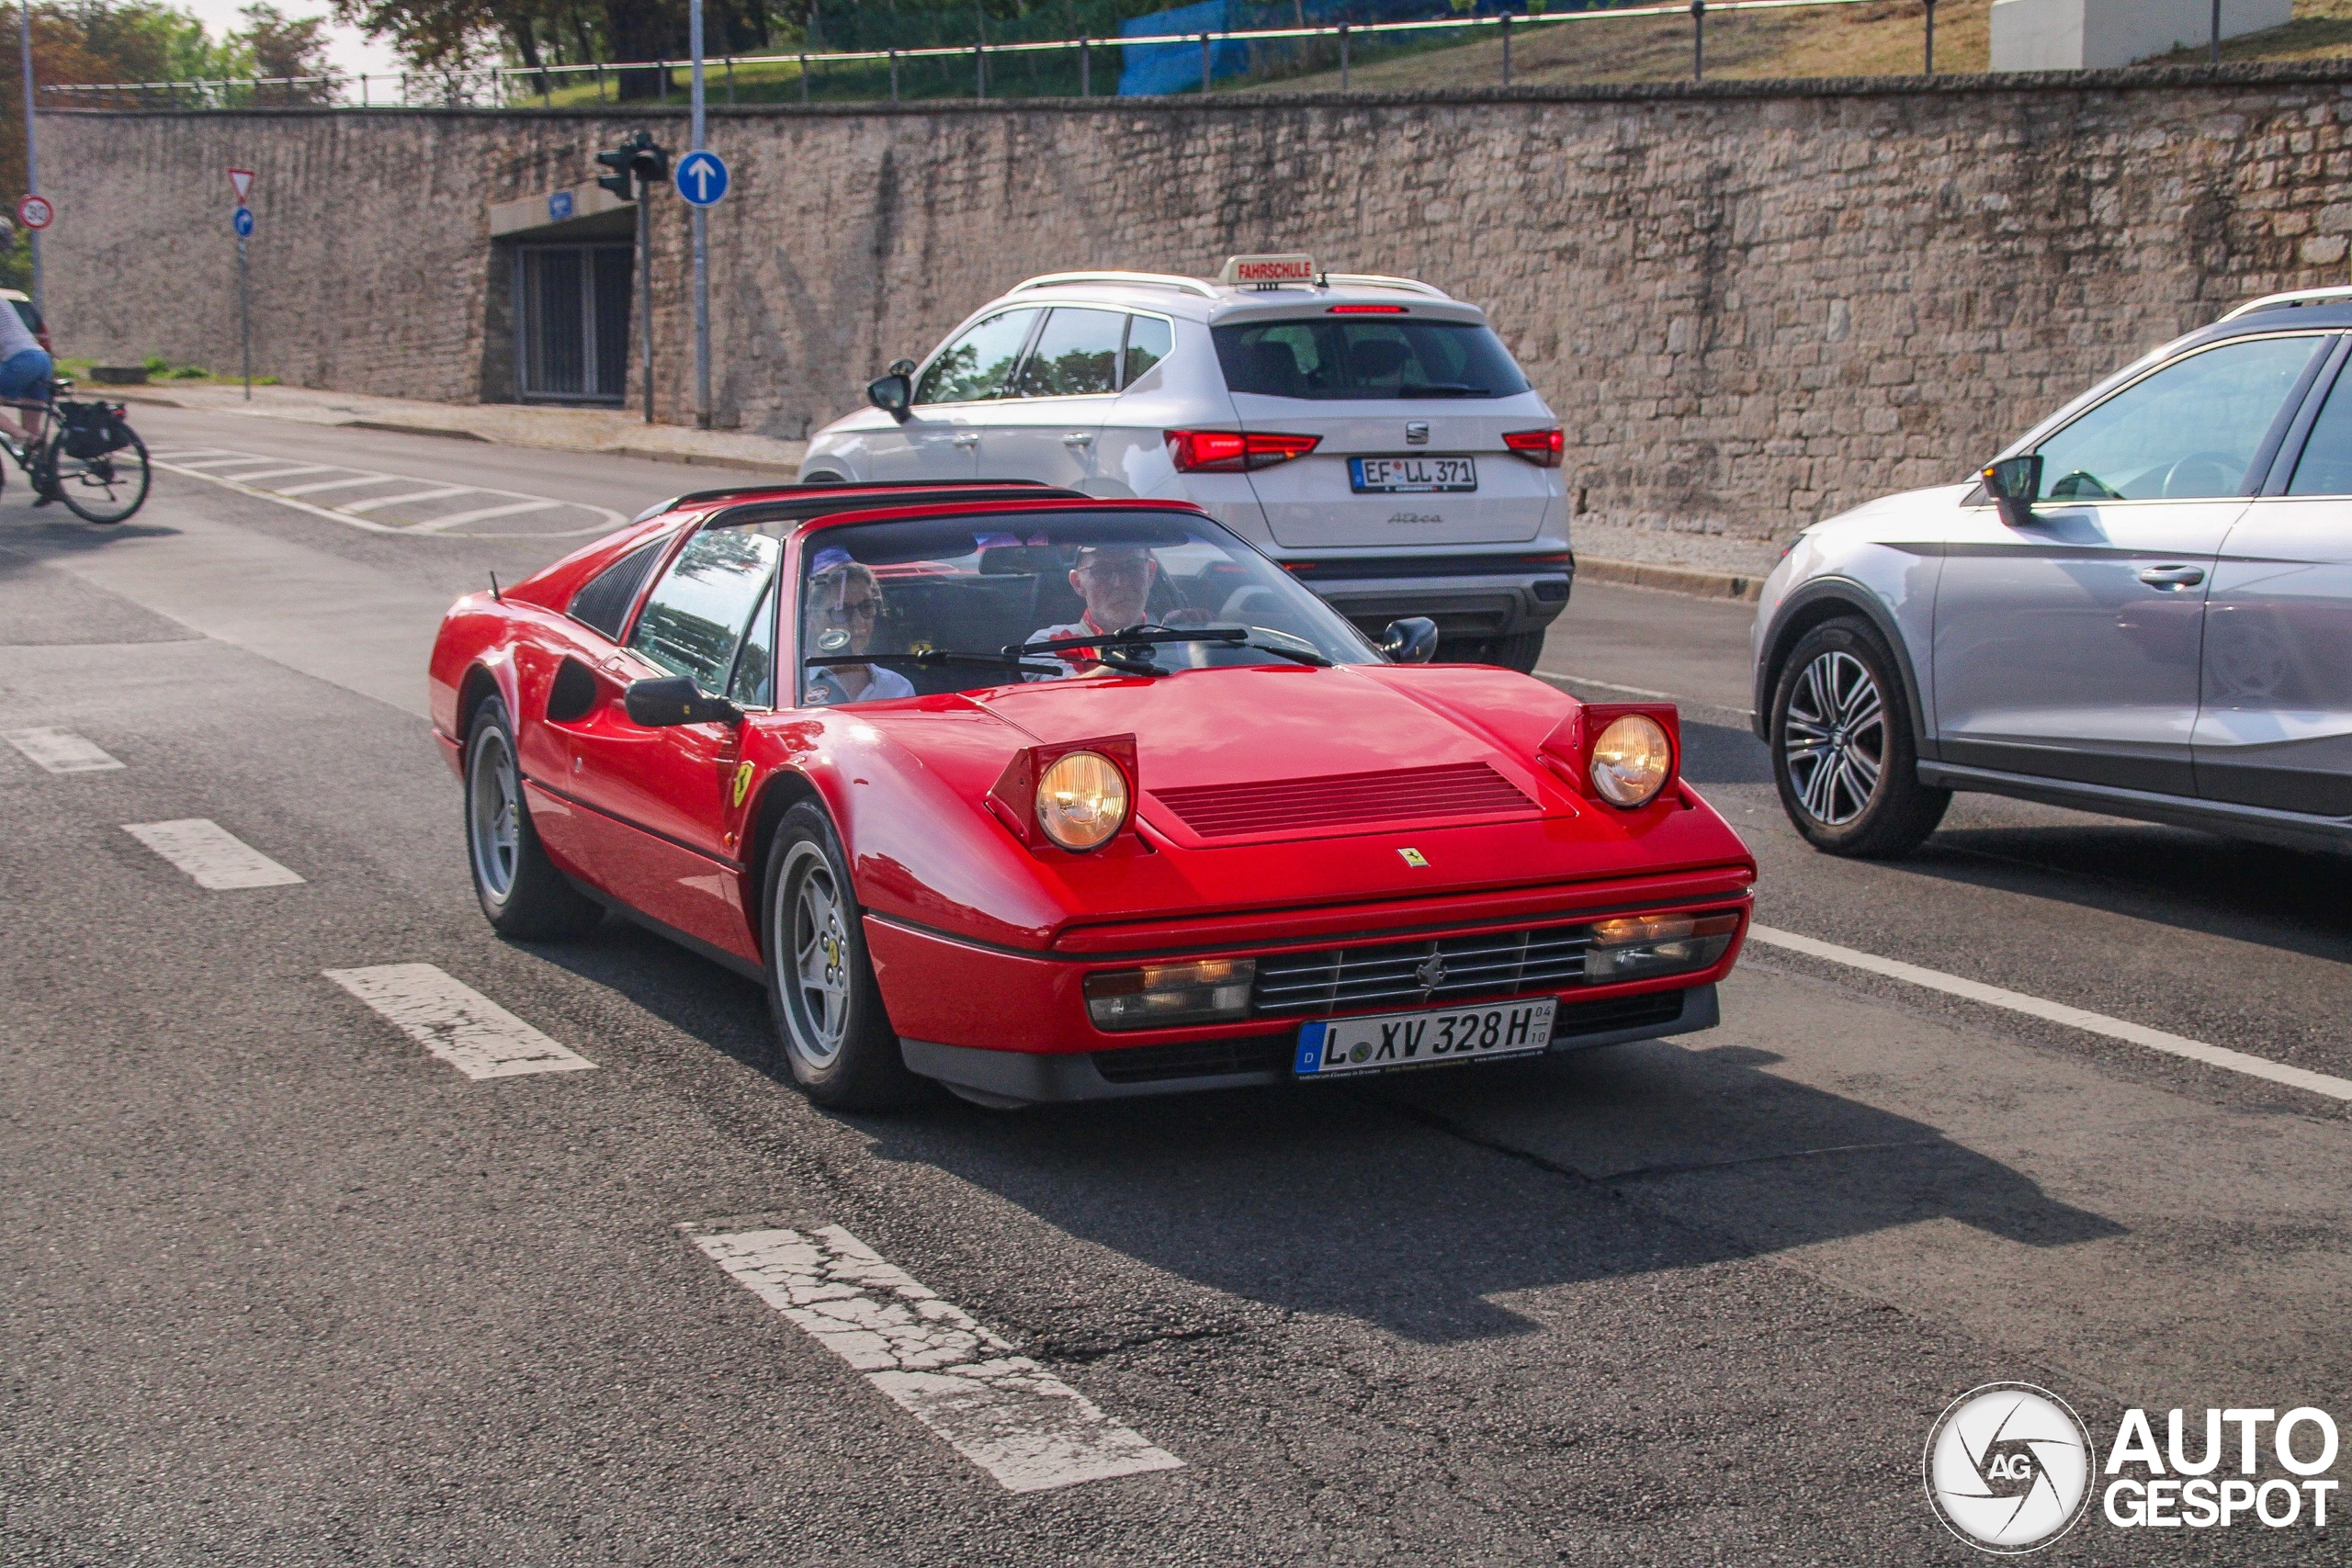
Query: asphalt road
x=283 y=1287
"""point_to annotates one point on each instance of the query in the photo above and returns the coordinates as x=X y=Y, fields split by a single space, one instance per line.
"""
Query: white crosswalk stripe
x=211 y=854
x=246 y=471
x=1006 y=1414
x=60 y=750
x=456 y=1022
x=374 y=502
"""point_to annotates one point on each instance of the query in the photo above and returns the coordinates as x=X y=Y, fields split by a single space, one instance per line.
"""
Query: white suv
x=1371 y=433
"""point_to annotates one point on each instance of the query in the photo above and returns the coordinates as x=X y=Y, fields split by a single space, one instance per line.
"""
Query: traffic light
x=638 y=158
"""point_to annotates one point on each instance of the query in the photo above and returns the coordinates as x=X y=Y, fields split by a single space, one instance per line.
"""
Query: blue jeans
x=25 y=378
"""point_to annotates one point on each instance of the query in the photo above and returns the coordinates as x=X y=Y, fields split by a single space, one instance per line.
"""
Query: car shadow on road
x=1416 y=1202
x=1721 y=754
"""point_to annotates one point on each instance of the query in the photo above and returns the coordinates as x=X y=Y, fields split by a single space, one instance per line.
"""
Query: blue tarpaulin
x=1151 y=70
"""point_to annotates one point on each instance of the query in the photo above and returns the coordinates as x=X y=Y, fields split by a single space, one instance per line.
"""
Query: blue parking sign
x=702 y=178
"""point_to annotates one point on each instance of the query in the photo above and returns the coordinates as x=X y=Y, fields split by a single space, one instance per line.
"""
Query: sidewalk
x=614 y=431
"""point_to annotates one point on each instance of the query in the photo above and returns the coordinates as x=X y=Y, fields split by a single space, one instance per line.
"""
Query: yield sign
x=243 y=180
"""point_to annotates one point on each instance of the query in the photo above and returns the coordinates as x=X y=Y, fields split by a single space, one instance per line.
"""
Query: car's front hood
x=1255 y=800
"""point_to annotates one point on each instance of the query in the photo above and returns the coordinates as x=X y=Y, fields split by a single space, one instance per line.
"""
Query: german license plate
x=1329 y=1047
x=1406 y=475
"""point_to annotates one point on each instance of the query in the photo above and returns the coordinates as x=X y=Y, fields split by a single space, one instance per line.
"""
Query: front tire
x=521 y=892
x=829 y=1022
x=1843 y=756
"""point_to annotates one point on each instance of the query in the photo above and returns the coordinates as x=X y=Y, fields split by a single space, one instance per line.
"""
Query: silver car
x=2141 y=607
x=1371 y=433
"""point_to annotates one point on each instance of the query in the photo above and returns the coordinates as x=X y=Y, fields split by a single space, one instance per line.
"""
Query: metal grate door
x=572 y=329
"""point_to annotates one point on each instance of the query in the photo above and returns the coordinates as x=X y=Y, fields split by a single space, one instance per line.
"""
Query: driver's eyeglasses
x=1118 y=570
x=863 y=609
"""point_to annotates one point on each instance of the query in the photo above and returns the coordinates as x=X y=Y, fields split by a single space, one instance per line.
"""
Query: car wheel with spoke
x=520 y=890
x=1842 y=750
x=836 y=1037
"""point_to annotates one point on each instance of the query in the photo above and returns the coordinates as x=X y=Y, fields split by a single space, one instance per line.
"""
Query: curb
x=1684 y=580
x=703 y=461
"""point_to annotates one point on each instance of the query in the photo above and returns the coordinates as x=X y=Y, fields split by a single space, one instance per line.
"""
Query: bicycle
x=84 y=455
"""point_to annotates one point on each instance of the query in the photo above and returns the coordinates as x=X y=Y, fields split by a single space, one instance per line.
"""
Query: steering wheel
x=1238 y=603
x=2203 y=474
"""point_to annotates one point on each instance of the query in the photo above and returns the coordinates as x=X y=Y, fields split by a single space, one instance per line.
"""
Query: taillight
x=1365 y=311
x=1234 y=451
x=1541 y=448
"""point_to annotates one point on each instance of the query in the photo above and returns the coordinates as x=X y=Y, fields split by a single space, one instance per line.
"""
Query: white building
x=2072 y=35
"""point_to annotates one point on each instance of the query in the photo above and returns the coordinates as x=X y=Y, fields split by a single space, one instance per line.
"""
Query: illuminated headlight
x=1639 y=946
x=1081 y=800
x=1160 y=994
x=1630 y=760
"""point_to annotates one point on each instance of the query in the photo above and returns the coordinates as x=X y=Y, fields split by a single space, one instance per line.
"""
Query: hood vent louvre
x=1344 y=800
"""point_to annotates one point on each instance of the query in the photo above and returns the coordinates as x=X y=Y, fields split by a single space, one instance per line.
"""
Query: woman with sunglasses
x=845 y=605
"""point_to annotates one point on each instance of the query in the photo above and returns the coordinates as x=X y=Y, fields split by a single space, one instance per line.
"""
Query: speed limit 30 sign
x=35 y=213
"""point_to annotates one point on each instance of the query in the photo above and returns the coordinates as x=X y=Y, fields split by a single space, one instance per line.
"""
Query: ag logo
x=2007 y=1467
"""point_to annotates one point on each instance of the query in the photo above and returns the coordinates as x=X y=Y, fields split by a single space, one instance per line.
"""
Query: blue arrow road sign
x=702 y=178
x=244 y=221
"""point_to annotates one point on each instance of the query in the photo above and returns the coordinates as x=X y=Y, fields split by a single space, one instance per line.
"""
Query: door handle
x=2173 y=576
x=1079 y=438
x=968 y=438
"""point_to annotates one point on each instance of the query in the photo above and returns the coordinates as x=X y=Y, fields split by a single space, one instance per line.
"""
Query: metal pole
x=1698 y=40
x=1204 y=64
x=32 y=174
x=702 y=236
x=804 y=79
x=894 y=76
x=245 y=314
x=980 y=70
x=1344 y=57
x=731 y=80
x=645 y=283
x=1506 y=48
x=600 y=81
x=363 y=89
x=1931 y=37
x=1085 y=68
x=2217 y=32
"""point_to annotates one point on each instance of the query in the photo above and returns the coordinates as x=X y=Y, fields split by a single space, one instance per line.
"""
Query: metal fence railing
x=875 y=76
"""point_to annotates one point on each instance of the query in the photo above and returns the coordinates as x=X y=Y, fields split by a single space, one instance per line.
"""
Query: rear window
x=605 y=602
x=1366 y=357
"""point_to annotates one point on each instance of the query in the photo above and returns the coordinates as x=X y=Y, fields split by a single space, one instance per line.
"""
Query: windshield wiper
x=1135 y=637
x=1444 y=389
x=929 y=656
x=1297 y=654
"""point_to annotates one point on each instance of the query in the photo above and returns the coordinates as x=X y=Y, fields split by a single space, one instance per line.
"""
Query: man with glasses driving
x=1115 y=581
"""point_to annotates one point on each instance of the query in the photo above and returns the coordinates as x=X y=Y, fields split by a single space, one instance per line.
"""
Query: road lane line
x=285 y=473
x=208 y=852
x=434 y=524
x=456 y=1022
x=227 y=460
x=1640 y=692
x=340 y=484
x=2059 y=1012
x=374 y=502
x=1006 y=1414
x=59 y=751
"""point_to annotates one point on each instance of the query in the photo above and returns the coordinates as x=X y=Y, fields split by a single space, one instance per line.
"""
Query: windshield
x=898 y=609
x=1335 y=357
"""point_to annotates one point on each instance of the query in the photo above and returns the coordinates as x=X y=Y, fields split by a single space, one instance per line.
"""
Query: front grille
x=1617 y=1012
x=1352 y=800
x=1410 y=974
x=1195 y=1059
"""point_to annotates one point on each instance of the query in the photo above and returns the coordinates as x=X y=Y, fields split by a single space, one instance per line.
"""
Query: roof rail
x=1376 y=280
x=1148 y=279
x=2285 y=301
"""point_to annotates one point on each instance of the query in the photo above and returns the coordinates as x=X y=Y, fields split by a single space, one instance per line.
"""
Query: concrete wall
x=2072 y=35
x=1753 y=304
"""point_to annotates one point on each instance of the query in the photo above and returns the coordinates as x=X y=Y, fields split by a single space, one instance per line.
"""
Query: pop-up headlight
x=1636 y=947
x=1160 y=994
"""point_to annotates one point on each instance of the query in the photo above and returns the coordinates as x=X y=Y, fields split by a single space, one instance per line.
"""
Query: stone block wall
x=1752 y=304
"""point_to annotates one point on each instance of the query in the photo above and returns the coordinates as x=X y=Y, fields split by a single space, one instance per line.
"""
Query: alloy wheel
x=492 y=815
x=1833 y=741
x=817 y=940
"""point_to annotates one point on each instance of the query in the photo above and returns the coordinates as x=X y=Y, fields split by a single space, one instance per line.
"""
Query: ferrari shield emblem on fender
x=742 y=783
x=1415 y=859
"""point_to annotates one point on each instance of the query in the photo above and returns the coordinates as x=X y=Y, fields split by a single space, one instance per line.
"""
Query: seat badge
x=1417 y=432
x=1415 y=859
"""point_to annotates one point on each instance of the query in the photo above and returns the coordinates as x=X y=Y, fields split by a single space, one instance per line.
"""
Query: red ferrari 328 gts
x=1050 y=798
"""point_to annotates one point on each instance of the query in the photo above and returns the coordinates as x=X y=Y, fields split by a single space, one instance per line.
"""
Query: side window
x=977 y=364
x=755 y=683
x=1150 y=340
x=603 y=602
x=2191 y=430
x=2325 y=467
x=1077 y=353
x=695 y=618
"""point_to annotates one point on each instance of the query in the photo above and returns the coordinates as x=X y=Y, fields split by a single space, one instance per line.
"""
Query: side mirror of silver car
x=2014 y=484
x=1412 y=640
x=893 y=394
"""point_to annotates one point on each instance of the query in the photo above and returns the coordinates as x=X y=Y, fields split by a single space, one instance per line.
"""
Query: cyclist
x=24 y=374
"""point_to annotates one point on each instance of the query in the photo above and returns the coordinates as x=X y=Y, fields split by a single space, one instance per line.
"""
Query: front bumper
x=1021 y=1078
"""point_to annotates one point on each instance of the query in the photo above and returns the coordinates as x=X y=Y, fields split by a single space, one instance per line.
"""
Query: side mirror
x=674 y=699
x=902 y=368
x=2015 y=483
x=1412 y=640
x=893 y=394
